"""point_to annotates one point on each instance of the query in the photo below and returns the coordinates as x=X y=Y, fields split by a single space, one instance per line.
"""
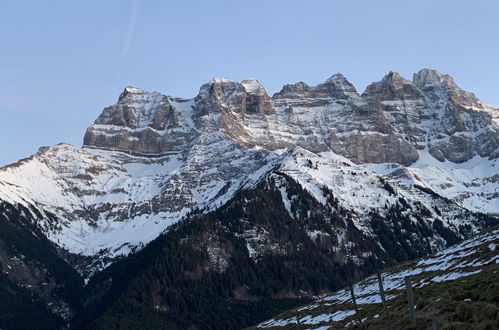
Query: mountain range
x=221 y=210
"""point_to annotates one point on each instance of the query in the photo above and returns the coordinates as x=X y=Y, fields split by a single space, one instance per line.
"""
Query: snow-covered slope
x=150 y=159
x=363 y=191
x=473 y=184
x=108 y=201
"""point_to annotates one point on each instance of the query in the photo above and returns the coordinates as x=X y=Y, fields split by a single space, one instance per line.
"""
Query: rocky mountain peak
x=462 y=126
x=133 y=90
x=394 y=78
x=429 y=77
x=219 y=80
x=392 y=87
x=399 y=116
x=139 y=122
x=437 y=85
x=221 y=95
x=253 y=86
x=291 y=91
x=335 y=87
x=217 y=86
x=133 y=94
x=337 y=78
x=213 y=95
x=341 y=82
x=136 y=108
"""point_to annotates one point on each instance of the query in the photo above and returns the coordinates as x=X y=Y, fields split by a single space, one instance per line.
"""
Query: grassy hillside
x=457 y=288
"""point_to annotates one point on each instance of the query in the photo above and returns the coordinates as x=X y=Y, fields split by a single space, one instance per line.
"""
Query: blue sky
x=61 y=62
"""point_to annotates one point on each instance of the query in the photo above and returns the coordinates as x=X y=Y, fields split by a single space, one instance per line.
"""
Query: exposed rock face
x=389 y=122
x=461 y=126
x=337 y=87
x=142 y=123
x=234 y=103
x=221 y=94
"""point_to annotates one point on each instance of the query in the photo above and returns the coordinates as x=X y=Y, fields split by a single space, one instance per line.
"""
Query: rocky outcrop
x=390 y=122
x=461 y=126
x=221 y=94
x=335 y=87
x=229 y=106
x=141 y=122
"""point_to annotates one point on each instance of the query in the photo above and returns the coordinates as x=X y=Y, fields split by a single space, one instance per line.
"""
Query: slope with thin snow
x=457 y=262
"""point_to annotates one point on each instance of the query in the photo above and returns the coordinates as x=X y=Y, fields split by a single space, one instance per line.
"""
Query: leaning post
x=410 y=299
x=354 y=301
x=382 y=293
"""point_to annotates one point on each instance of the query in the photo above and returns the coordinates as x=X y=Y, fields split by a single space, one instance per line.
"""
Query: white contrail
x=131 y=26
x=126 y=46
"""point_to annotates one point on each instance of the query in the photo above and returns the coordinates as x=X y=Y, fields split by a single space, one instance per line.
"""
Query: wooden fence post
x=382 y=293
x=410 y=298
x=354 y=302
x=298 y=324
x=434 y=325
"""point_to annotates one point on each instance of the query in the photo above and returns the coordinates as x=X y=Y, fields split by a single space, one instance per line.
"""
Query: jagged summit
x=131 y=93
x=341 y=82
x=216 y=80
x=133 y=90
x=253 y=86
x=142 y=122
x=428 y=77
x=394 y=78
x=392 y=87
x=337 y=77
x=250 y=85
x=396 y=115
x=296 y=90
x=336 y=86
